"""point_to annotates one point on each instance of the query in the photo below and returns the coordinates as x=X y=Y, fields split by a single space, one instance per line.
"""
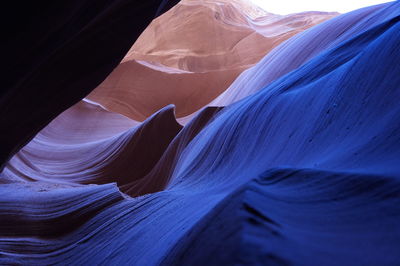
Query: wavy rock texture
x=304 y=170
x=134 y=155
x=57 y=155
x=287 y=57
x=171 y=62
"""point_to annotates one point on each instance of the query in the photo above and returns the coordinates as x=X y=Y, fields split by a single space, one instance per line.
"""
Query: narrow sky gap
x=284 y=7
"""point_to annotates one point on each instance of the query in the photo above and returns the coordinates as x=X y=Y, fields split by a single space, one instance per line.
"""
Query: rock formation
x=296 y=163
x=192 y=53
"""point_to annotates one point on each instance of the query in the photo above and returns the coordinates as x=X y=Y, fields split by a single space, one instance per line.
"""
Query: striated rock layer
x=192 y=53
x=60 y=153
x=114 y=143
x=287 y=57
x=300 y=168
